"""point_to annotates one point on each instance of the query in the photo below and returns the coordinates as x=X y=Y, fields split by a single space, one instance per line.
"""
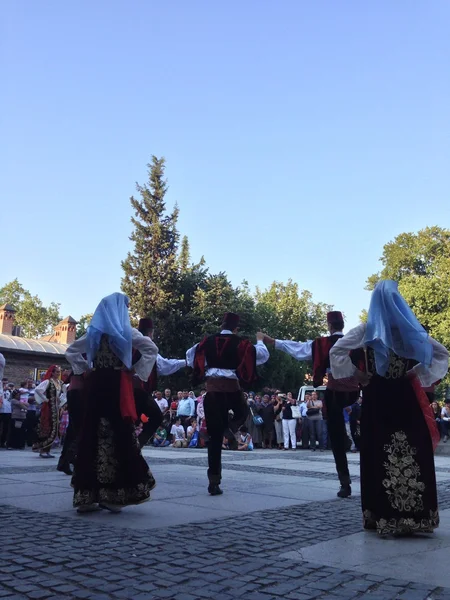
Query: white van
x=308 y=389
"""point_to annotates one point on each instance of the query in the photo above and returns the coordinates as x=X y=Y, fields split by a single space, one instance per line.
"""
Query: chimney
x=65 y=332
x=7 y=319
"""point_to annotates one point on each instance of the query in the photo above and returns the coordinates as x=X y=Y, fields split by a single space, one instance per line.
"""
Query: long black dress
x=398 y=480
x=109 y=467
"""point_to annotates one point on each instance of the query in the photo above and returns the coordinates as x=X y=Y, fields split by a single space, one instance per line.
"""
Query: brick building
x=26 y=357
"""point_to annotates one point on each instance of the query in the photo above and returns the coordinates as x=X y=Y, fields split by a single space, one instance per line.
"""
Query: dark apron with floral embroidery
x=398 y=480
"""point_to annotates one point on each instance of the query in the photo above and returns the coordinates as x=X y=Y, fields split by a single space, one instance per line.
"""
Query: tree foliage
x=83 y=324
x=187 y=302
x=286 y=312
x=151 y=270
x=32 y=316
x=185 y=255
x=420 y=263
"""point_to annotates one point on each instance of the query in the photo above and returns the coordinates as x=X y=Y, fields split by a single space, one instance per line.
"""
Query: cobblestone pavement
x=52 y=556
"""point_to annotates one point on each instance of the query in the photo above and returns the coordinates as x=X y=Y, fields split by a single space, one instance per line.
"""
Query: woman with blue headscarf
x=398 y=432
x=110 y=471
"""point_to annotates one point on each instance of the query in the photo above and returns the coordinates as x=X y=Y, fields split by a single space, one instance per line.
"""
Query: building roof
x=13 y=342
x=7 y=307
x=68 y=319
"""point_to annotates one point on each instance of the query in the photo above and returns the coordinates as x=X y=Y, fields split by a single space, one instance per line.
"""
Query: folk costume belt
x=222 y=384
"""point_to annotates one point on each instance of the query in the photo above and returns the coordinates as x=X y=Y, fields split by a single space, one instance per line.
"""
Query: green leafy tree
x=187 y=302
x=420 y=263
x=151 y=271
x=32 y=316
x=83 y=324
x=411 y=254
x=285 y=312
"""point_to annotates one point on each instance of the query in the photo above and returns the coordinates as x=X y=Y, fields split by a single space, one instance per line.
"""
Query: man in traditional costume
x=145 y=403
x=398 y=428
x=338 y=395
x=110 y=471
x=227 y=361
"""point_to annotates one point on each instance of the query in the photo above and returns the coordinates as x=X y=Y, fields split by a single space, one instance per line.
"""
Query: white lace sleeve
x=149 y=352
x=262 y=354
x=40 y=392
x=298 y=350
x=439 y=365
x=74 y=356
x=340 y=361
x=169 y=366
x=190 y=356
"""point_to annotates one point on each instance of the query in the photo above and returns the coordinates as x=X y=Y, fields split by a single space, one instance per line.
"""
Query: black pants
x=148 y=406
x=217 y=405
x=305 y=432
x=31 y=423
x=70 y=446
x=5 y=422
x=17 y=434
x=267 y=434
x=335 y=403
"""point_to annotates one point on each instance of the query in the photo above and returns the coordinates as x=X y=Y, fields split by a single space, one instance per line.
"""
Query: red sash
x=427 y=411
x=45 y=420
x=127 y=403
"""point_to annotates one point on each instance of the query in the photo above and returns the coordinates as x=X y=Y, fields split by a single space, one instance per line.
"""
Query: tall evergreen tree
x=151 y=270
x=185 y=255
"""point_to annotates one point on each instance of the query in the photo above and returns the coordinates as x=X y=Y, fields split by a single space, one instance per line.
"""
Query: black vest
x=221 y=351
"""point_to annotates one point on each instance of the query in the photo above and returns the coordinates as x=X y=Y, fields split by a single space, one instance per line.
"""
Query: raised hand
x=267 y=339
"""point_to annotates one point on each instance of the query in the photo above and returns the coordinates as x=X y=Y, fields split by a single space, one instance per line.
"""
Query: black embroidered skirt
x=109 y=466
x=398 y=480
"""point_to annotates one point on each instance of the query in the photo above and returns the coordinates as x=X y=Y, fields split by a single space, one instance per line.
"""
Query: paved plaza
x=277 y=532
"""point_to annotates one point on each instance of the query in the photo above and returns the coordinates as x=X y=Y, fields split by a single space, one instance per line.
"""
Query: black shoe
x=65 y=469
x=214 y=489
x=345 y=491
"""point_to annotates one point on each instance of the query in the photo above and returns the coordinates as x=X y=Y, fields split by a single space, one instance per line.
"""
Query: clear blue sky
x=300 y=137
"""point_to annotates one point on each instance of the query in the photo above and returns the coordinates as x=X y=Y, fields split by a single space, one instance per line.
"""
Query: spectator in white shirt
x=179 y=435
x=162 y=403
x=445 y=416
x=24 y=391
x=5 y=405
x=3 y=380
x=5 y=420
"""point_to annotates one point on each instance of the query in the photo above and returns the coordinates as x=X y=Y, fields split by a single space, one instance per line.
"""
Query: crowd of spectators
x=274 y=420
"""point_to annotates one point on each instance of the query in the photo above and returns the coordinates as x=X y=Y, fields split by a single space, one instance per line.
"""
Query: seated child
x=245 y=441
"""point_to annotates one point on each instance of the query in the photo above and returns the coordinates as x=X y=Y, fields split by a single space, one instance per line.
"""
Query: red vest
x=321 y=364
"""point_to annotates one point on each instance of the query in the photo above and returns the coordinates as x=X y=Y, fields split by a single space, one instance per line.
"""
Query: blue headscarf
x=392 y=325
x=111 y=318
